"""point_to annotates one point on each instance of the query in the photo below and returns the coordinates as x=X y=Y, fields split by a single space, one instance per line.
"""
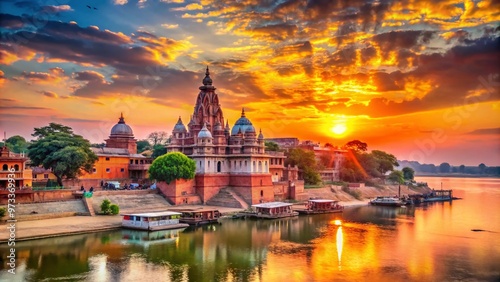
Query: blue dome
x=243 y=124
x=121 y=129
x=179 y=126
x=204 y=132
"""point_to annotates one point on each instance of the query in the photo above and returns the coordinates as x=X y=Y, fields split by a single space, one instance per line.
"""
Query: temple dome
x=122 y=129
x=243 y=124
x=204 y=132
x=179 y=126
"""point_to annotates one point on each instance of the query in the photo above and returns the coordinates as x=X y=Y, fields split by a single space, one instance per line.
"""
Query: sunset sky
x=418 y=79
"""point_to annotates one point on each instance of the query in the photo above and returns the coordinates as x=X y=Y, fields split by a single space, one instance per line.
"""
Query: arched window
x=262 y=193
x=16 y=167
x=260 y=166
x=218 y=166
x=5 y=167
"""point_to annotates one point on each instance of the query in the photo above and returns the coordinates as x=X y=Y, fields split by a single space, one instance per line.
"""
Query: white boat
x=153 y=221
x=387 y=201
x=270 y=210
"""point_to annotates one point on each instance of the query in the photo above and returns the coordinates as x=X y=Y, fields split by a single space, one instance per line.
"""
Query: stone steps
x=88 y=205
x=132 y=203
x=225 y=199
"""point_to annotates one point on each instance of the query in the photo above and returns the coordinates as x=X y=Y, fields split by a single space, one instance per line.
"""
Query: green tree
x=17 y=144
x=66 y=154
x=386 y=162
x=356 y=146
x=50 y=129
x=461 y=169
x=143 y=145
x=271 y=146
x=408 y=173
x=172 y=166
x=396 y=176
x=158 y=150
x=306 y=162
x=482 y=168
x=444 y=168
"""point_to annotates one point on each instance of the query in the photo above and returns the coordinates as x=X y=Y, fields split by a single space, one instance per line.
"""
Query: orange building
x=118 y=160
x=12 y=163
x=41 y=176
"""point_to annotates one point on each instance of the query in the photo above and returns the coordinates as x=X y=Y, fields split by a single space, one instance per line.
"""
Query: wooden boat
x=315 y=206
x=199 y=216
x=270 y=210
x=387 y=201
x=153 y=221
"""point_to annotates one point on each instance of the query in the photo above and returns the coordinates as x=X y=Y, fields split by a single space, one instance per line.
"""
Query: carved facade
x=224 y=157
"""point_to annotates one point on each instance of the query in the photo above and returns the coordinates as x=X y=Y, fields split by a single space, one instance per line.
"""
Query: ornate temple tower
x=224 y=158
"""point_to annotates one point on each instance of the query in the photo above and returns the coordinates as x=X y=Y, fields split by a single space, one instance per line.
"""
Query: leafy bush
x=172 y=166
x=115 y=209
x=2 y=212
x=105 y=206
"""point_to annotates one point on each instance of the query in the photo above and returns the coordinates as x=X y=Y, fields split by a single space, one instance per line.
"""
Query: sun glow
x=339 y=129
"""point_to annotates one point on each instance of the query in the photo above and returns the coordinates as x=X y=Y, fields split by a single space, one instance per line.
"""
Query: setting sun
x=339 y=129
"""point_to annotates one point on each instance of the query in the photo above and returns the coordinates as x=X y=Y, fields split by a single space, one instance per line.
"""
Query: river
x=433 y=242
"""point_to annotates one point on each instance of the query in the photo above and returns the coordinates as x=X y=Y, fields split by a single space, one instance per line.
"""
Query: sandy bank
x=45 y=228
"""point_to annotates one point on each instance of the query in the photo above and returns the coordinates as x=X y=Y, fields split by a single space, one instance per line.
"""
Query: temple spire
x=242 y=112
x=122 y=120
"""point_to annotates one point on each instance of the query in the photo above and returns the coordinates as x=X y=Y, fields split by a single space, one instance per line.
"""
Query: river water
x=433 y=242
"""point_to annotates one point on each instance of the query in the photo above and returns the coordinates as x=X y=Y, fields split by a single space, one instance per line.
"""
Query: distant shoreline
x=457 y=175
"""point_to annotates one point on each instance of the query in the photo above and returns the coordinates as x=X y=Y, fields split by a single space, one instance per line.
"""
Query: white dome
x=204 y=132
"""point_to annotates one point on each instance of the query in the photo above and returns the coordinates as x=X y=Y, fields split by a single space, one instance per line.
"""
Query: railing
x=139 y=166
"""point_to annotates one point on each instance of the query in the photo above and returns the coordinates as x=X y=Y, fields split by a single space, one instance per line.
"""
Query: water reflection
x=428 y=243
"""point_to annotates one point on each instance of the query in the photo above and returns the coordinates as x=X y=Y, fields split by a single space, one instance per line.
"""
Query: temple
x=225 y=157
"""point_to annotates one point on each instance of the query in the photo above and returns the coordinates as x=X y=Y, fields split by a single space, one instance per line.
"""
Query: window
x=108 y=170
x=34 y=176
x=5 y=167
x=218 y=166
x=208 y=163
x=122 y=169
x=131 y=161
x=107 y=158
x=136 y=161
x=262 y=192
x=94 y=170
x=46 y=176
x=16 y=167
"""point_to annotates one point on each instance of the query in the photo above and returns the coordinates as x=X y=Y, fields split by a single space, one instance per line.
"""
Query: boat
x=153 y=221
x=199 y=216
x=439 y=196
x=387 y=201
x=270 y=210
x=315 y=206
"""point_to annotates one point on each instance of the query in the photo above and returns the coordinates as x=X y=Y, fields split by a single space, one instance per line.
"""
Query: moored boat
x=270 y=210
x=153 y=221
x=315 y=206
x=199 y=216
x=387 y=201
x=148 y=238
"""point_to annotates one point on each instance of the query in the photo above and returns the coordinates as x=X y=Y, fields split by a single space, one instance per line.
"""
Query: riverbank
x=54 y=227
x=46 y=228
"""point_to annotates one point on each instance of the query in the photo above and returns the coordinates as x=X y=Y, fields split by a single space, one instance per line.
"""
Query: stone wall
x=179 y=191
x=31 y=196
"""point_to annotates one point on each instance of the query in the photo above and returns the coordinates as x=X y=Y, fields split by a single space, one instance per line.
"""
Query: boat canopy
x=153 y=214
x=322 y=201
x=271 y=205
